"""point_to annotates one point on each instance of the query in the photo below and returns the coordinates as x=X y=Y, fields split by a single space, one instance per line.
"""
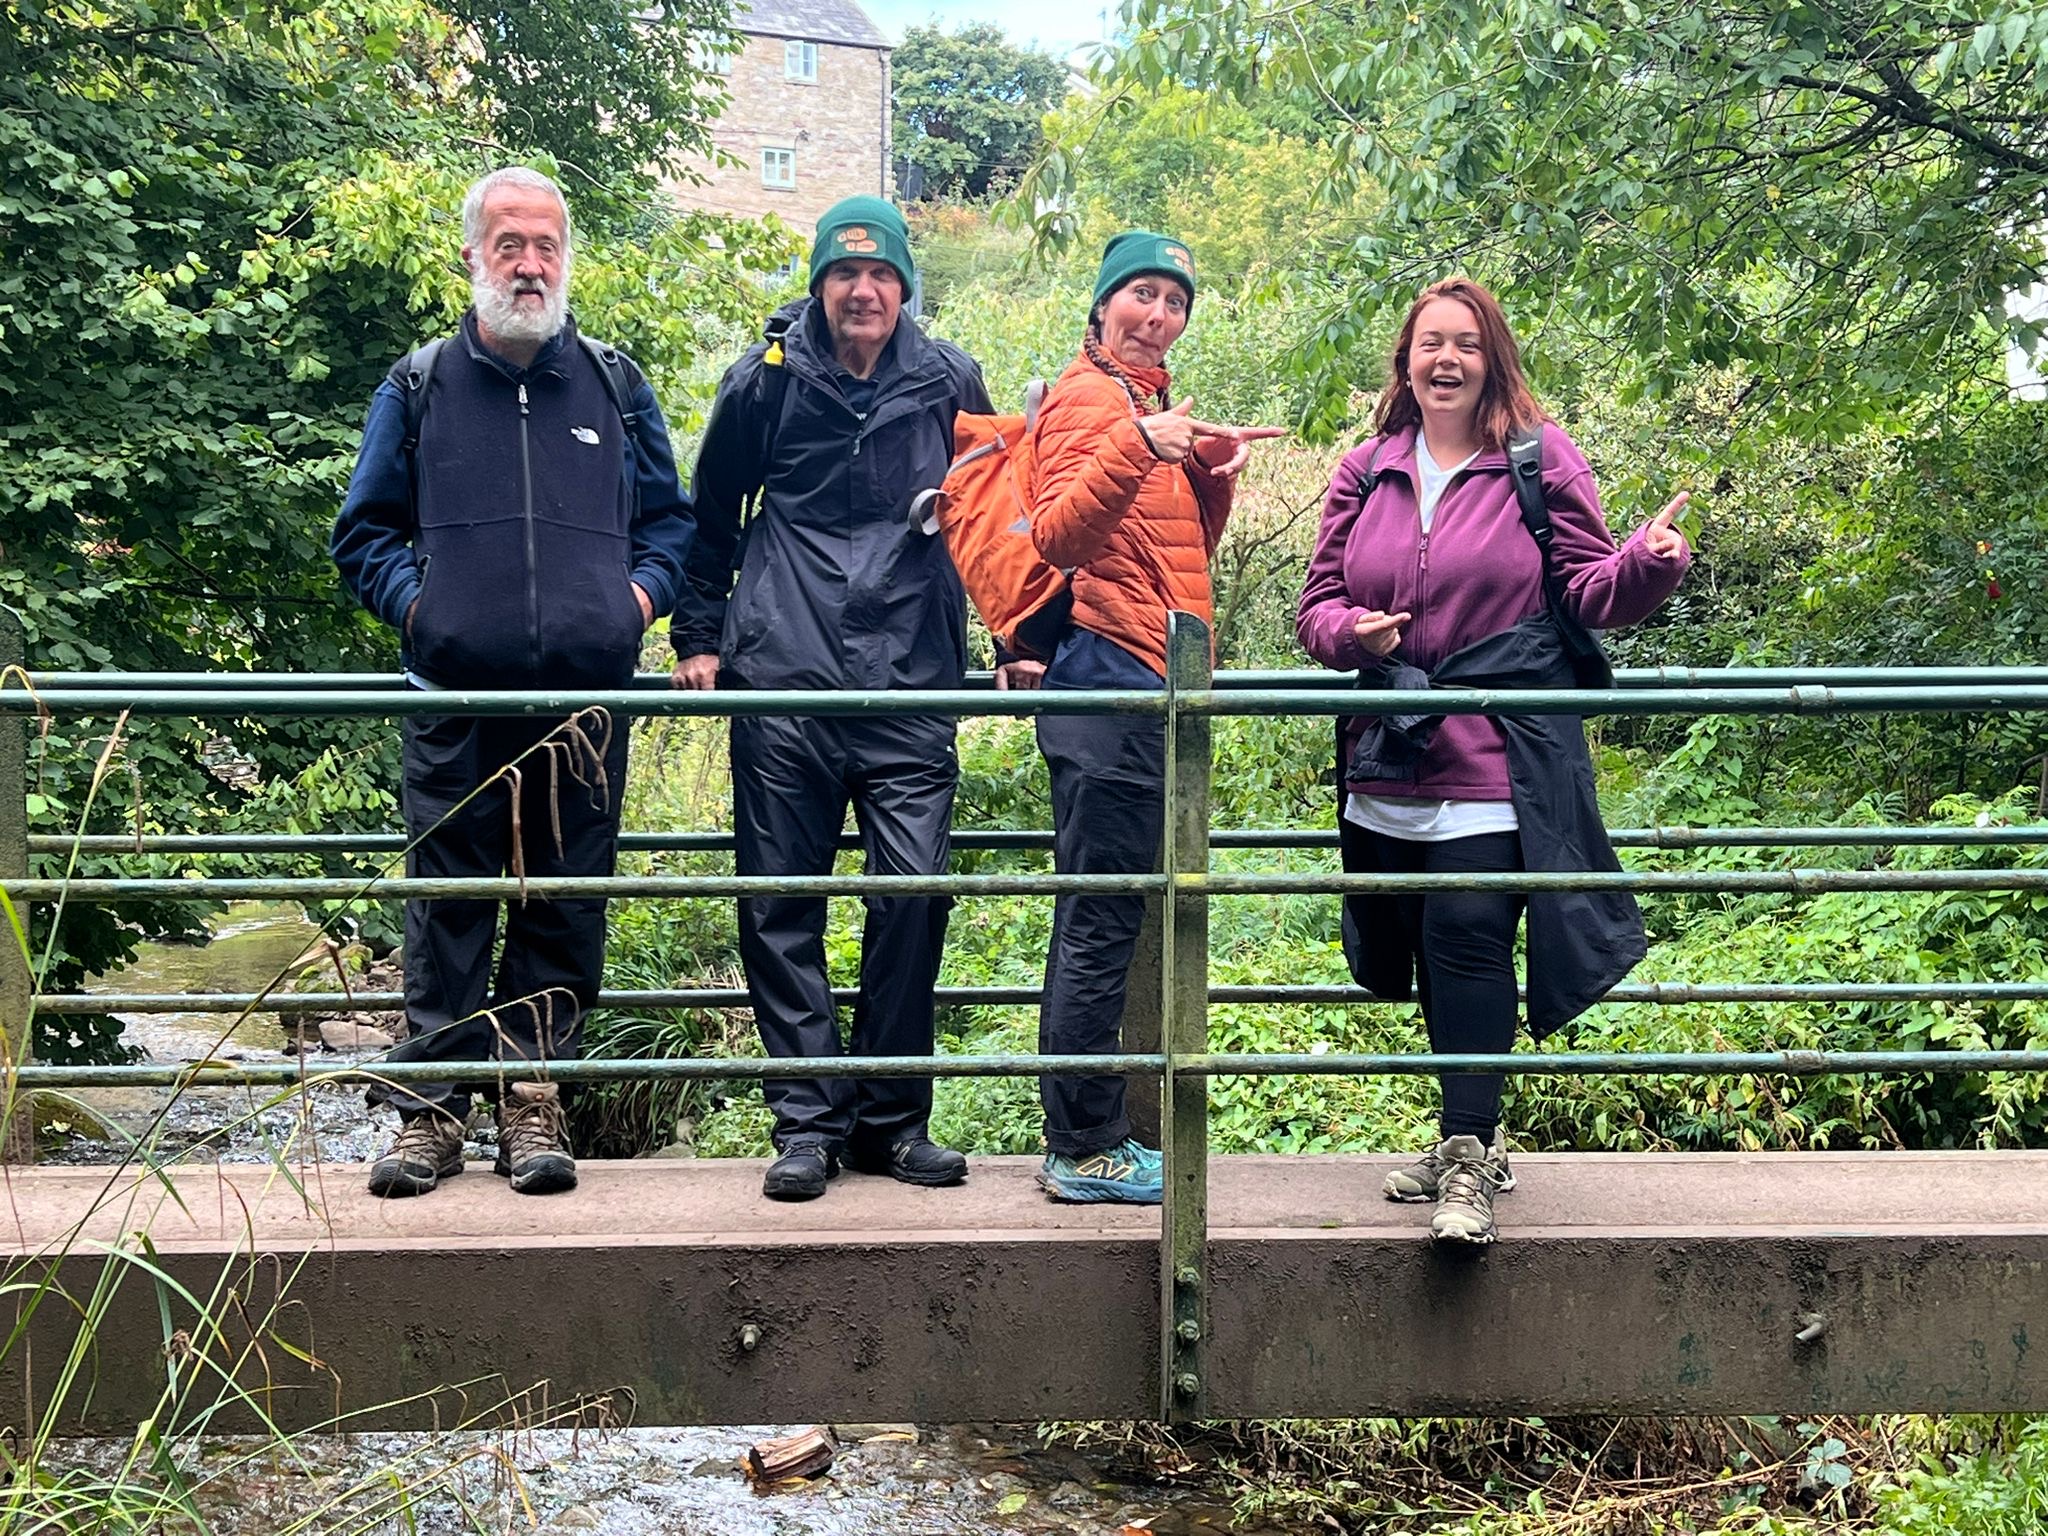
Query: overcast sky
x=1058 y=26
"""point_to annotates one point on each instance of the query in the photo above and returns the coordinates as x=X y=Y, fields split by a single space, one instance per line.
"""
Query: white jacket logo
x=585 y=435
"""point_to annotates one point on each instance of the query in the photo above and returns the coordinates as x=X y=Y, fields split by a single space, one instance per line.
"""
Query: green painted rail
x=1797 y=882
x=1190 y=879
x=1664 y=993
x=1198 y=1064
x=369 y=844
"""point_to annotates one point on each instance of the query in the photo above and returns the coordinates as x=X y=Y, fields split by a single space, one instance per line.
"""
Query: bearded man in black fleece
x=515 y=515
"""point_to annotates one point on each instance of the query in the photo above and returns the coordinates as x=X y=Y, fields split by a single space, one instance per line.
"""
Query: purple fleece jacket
x=1474 y=574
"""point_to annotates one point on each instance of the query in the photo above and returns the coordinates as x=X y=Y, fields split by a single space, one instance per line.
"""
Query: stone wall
x=838 y=130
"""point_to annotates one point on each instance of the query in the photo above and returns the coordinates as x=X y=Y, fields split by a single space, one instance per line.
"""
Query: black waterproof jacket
x=1581 y=943
x=836 y=589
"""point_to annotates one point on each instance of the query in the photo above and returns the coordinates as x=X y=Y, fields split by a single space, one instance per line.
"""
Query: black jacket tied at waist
x=1581 y=943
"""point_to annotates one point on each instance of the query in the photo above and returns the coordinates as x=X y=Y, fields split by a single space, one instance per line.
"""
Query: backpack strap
x=774 y=390
x=1525 y=468
x=1034 y=401
x=412 y=374
x=619 y=383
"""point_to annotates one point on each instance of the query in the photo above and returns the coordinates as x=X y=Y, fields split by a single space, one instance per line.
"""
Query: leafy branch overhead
x=1837 y=196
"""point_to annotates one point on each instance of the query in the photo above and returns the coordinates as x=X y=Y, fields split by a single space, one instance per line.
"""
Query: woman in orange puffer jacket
x=1131 y=494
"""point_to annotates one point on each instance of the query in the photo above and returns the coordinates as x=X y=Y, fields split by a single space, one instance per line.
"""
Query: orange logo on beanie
x=855 y=238
x=1180 y=258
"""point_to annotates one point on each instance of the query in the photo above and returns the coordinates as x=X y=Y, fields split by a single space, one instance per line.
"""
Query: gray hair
x=508 y=176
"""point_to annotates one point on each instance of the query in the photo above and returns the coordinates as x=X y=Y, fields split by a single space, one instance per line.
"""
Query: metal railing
x=1178 y=1055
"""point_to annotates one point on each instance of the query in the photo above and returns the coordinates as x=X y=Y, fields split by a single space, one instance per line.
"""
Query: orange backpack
x=983 y=511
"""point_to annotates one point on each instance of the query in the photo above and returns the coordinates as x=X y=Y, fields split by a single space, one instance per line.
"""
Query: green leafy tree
x=1241 y=185
x=1835 y=197
x=615 y=92
x=969 y=106
x=219 y=222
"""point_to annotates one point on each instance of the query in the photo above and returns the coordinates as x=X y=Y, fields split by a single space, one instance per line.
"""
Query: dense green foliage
x=220 y=223
x=1835 y=198
x=968 y=105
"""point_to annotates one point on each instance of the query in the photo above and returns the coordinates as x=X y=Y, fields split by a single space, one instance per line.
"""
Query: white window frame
x=710 y=60
x=787 y=158
x=800 y=61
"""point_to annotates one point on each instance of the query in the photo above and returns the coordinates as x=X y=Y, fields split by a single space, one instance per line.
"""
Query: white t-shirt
x=1433 y=477
x=1430 y=821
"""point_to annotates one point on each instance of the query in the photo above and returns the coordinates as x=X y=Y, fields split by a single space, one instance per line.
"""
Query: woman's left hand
x=1223 y=450
x=1663 y=540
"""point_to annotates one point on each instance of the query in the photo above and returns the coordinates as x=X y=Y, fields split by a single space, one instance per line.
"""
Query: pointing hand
x=1663 y=540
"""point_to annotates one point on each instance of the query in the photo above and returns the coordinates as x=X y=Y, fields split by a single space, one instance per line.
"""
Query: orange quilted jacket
x=1137 y=532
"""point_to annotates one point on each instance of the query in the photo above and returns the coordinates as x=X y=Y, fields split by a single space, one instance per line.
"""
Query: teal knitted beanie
x=1138 y=251
x=867 y=229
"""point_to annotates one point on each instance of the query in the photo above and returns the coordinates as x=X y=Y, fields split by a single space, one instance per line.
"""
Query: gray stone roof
x=818 y=21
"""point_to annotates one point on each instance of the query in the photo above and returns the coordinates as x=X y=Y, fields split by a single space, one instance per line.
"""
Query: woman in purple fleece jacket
x=1423 y=552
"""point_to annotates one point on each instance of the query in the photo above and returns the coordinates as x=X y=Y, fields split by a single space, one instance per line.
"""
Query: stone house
x=808 y=121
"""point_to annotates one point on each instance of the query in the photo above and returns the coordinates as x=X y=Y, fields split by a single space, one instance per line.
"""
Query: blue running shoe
x=1126 y=1174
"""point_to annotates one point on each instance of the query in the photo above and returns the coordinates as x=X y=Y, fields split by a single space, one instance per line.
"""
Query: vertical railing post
x=1184 y=1031
x=17 y=1137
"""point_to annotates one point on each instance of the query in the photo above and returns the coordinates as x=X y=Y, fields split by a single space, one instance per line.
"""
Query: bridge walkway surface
x=670 y=1292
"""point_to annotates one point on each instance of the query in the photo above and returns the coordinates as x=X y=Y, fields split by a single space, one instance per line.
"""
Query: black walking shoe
x=913 y=1160
x=800 y=1172
x=428 y=1150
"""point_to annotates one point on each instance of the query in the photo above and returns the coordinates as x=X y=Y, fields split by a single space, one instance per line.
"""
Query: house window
x=778 y=168
x=800 y=62
x=712 y=60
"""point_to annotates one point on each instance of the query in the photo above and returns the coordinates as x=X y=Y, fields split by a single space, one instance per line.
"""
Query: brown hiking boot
x=428 y=1150
x=533 y=1140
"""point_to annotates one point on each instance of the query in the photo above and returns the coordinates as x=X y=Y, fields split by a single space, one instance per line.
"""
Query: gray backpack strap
x=1034 y=400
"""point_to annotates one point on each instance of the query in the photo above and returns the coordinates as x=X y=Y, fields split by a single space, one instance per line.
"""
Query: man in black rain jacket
x=837 y=424
x=515 y=515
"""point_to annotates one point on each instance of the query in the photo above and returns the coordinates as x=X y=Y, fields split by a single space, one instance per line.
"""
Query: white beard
x=501 y=315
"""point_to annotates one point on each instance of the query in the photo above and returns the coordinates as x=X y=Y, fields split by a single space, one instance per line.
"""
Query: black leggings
x=1465 y=975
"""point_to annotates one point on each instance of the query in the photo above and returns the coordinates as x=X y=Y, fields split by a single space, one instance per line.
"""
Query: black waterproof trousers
x=1464 y=942
x=792 y=780
x=563 y=810
x=1108 y=813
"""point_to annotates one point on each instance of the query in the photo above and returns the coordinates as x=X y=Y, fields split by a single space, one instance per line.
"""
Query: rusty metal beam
x=1640 y=1284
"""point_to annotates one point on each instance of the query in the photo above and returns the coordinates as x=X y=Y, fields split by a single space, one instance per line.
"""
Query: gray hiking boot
x=1467 y=1180
x=1418 y=1182
x=533 y=1140
x=428 y=1150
